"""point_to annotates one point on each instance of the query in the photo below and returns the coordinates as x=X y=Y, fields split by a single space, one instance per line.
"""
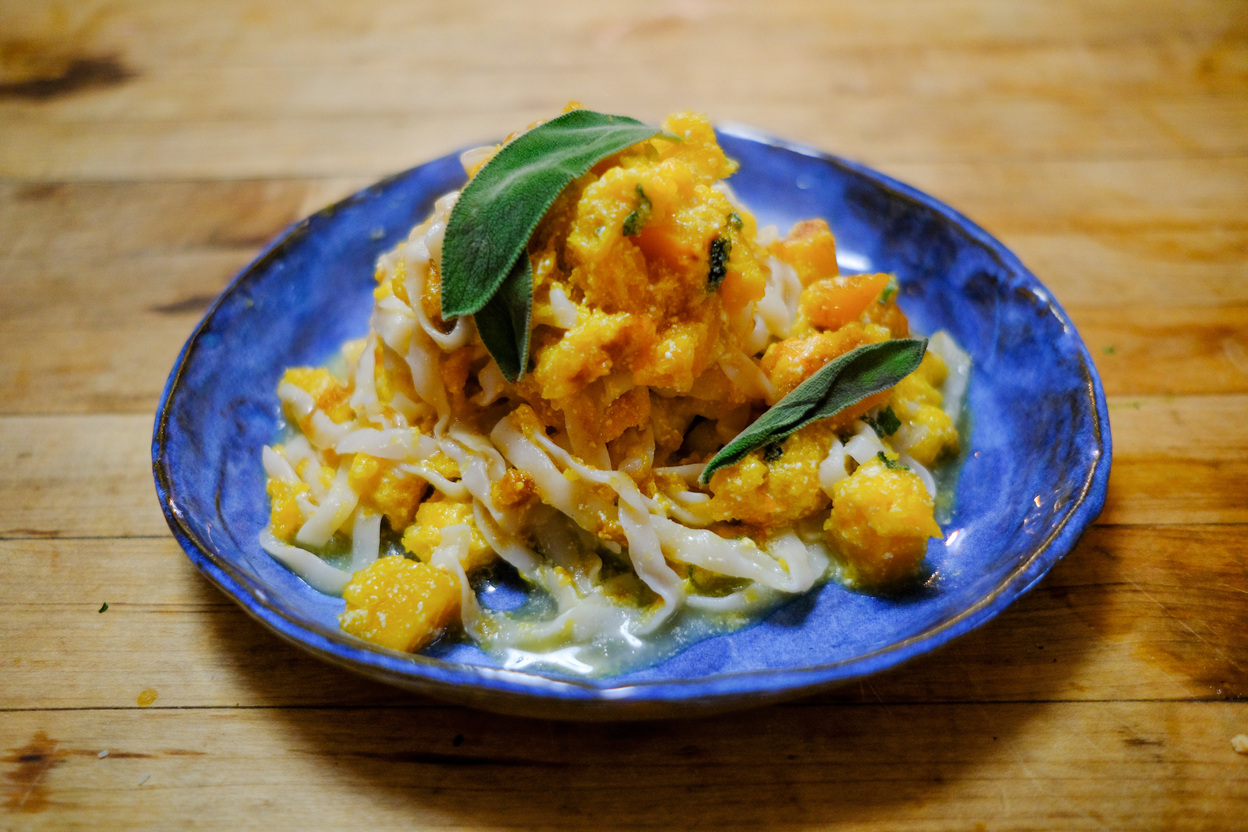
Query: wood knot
x=32 y=71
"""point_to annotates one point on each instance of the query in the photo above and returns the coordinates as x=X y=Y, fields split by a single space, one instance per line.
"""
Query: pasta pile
x=663 y=323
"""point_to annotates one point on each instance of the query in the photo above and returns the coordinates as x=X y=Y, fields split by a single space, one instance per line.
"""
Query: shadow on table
x=888 y=745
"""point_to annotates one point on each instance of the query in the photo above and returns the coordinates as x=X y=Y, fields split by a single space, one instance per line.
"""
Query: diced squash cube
x=745 y=283
x=880 y=523
x=927 y=432
x=775 y=486
x=332 y=394
x=832 y=302
x=589 y=351
x=930 y=435
x=285 y=515
x=386 y=489
x=399 y=603
x=810 y=249
x=790 y=362
x=515 y=490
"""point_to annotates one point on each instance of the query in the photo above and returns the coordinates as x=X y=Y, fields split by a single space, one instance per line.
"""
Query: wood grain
x=928 y=767
x=318 y=103
x=77 y=477
x=148 y=151
x=880 y=133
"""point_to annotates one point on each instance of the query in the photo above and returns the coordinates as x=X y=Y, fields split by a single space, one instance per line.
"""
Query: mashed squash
x=664 y=322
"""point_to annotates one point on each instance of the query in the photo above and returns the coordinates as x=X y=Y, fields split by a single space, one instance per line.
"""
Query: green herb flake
x=839 y=384
x=1110 y=350
x=885 y=422
x=734 y=219
x=721 y=248
x=889 y=290
x=105 y=607
x=890 y=464
x=773 y=451
x=637 y=220
x=498 y=210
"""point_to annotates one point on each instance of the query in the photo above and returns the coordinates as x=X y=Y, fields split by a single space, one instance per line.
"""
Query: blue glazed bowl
x=1033 y=478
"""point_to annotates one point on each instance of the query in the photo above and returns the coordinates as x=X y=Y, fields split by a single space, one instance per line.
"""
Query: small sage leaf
x=839 y=384
x=503 y=323
x=498 y=210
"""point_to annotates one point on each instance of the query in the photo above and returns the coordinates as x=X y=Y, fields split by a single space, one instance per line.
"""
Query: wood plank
x=891 y=131
x=49 y=222
x=166 y=629
x=104 y=344
x=380 y=29
x=1173 y=69
x=1180 y=427
x=1149 y=350
x=1119 y=619
x=1158 y=489
x=1034 y=766
x=336 y=98
x=1140 y=266
x=1153 y=482
x=103 y=284
x=78 y=477
x=1183 y=233
x=1111 y=197
x=1113 y=233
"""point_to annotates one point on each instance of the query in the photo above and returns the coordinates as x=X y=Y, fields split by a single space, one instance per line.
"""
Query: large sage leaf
x=498 y=210
x=839 y=384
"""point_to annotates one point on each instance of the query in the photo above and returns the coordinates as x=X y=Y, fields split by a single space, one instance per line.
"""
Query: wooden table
x=148 y=150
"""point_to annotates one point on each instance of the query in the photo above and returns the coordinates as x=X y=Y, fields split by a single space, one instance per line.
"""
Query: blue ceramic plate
x=1033 y=478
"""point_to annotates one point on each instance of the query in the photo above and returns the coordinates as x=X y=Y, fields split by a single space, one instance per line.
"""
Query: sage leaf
x=839 y=384
x=499 y=209
x=503 y=323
